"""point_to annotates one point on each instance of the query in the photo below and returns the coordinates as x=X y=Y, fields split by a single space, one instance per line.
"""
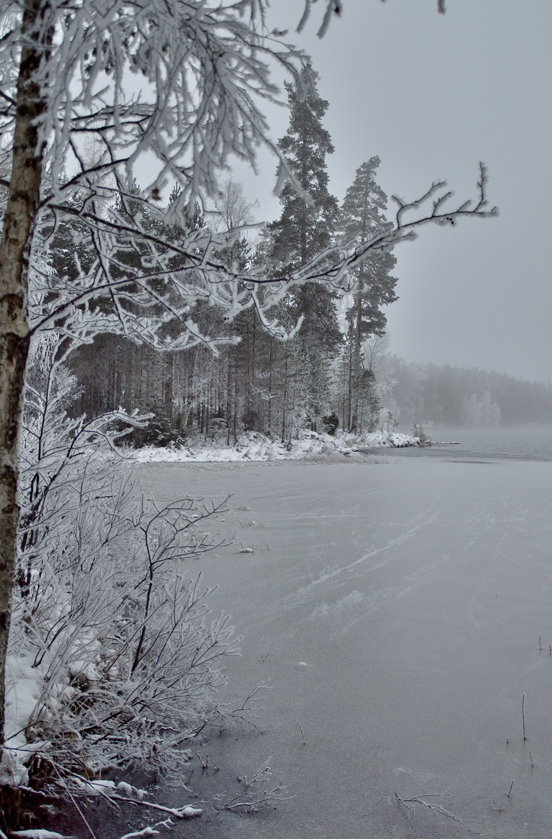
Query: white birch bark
x=19 y=221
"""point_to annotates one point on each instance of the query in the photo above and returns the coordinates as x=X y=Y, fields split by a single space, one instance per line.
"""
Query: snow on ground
x=253 y=446
x=24 y=685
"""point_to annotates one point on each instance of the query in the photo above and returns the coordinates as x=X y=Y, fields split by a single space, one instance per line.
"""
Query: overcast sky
x=432 y=95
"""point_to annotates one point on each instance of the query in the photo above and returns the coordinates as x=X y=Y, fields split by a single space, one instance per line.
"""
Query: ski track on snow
x=307 y=591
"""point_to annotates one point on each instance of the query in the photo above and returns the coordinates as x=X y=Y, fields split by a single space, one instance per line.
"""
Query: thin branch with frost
x=167 y=277
x=167 y=823
x=185 y=812
x=92 y=788
x=402 y=230
x=335 y=7
x=241 y=715
x=255 y=796
x=205 y=68
x=37 y=833
x=436 y=809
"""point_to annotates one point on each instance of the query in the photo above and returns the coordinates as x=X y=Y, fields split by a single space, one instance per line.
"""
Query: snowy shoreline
x=254 y=447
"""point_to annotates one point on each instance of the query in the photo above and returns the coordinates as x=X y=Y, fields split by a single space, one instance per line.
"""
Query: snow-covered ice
x=416 y=590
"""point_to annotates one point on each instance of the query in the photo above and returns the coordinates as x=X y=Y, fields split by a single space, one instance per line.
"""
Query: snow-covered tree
x=175 y=86
x=362 y=217
x=308 y=220
x=306 y=227
x=232 y=209
x=480 y=413
x=108 y=628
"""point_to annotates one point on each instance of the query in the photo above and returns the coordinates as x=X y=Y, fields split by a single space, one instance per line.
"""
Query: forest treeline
x=301 y=366
x=460 y=396
x=332 y=368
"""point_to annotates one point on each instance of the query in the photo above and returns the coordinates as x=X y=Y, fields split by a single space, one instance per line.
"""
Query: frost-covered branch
x=145 y=284
x=187 y=89
x=433 y=807
x=257 y=792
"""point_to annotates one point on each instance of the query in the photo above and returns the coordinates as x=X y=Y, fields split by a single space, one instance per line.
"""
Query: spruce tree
x=303 y=230
x=362 y=217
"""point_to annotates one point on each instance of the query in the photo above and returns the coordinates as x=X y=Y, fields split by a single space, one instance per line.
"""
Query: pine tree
x=304 y=229
x=362 y=217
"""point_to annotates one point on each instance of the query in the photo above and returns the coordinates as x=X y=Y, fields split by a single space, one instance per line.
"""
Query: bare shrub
x=108 y=620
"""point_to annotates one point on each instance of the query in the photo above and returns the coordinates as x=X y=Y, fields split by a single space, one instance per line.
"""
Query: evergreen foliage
x=306 y=224
x=308 y=221
x=362 y=217
x=306 y=227
x=256 y=383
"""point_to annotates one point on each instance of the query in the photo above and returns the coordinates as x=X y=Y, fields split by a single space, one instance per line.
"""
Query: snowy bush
x=113 y=656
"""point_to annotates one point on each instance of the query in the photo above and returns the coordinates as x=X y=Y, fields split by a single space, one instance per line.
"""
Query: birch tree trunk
x=15 y=248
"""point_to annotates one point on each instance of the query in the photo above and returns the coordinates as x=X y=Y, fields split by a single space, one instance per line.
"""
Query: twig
x=37 y=833
x=436 y=809
x=204 y=763
x=71 y=796
x=147 y=831
x=302 y=732
x=186 y=812
x=531 y=758
x=523 y=715
x=255 y=804
x=510 y=790
x=249 y=801
x=243 y=715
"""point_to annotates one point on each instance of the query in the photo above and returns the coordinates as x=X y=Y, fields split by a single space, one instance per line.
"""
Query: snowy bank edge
x=255 y=447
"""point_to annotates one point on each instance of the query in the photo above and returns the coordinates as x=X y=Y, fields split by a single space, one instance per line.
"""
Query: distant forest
x=445 y=395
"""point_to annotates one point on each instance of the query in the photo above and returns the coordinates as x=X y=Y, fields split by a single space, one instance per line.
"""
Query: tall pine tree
x=303 y=230
x=362 y=217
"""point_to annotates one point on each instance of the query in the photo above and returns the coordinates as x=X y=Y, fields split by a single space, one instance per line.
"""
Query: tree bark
x=15 y=249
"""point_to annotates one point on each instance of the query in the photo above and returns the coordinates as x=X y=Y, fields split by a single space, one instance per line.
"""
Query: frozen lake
x=394 y=609
x=533 y=443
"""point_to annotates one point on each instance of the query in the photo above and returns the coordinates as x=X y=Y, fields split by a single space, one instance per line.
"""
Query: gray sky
x=432 y=95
